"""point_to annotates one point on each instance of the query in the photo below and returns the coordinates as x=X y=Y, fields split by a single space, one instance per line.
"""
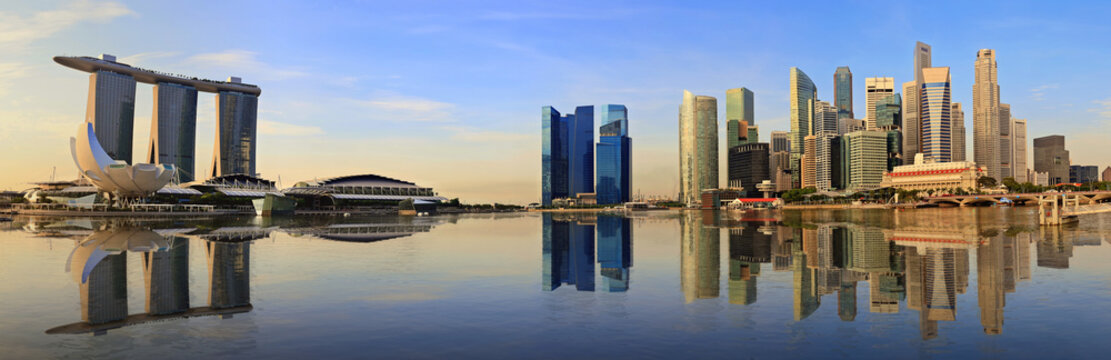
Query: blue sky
x=447 y=94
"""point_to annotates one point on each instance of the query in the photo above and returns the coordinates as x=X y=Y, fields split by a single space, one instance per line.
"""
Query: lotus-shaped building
x=115 y=176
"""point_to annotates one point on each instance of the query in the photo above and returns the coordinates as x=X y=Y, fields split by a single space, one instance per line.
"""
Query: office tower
x=567 y=153
x=738 y=110
x=779 y=166
x=877 y=88
x=553 y=157
x=1006 y=147
x=826 y=161
x=934 y=108
x=1051 y=157
x=986 y=114
x=614 y=156
x=700 y=261
x=166 y=276
x=1083 y=174
x=889 y=119
x=825 y=118
x=922 y=59
x=843 y=92
x=698 y=147
x=111 y=109
x=867 y=158
x=838 y=161
x=809 y=162
x=615 y=252
x=912 y=127
x=781 y=141
x=173 y=129
x=803 y=93
x=748 y=166
x=236 y=127
x=958 y=132
x=845 y=126
x=229 y=274
x=1107 y=174
x=1018 y=142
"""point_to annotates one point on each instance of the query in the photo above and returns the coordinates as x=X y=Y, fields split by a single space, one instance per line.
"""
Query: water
x=977 y=282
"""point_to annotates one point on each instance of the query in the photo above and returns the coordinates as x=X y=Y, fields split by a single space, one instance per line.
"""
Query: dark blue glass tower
x=615 y=252
x=614 y=156
x=568 y=253
x=567 y=154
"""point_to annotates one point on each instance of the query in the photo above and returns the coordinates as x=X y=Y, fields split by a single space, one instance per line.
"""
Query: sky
x=447 y=94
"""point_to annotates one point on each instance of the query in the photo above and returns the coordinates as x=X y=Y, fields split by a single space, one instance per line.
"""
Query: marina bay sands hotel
x=173 y=130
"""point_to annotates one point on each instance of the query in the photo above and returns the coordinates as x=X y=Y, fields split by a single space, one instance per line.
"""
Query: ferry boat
x=274 y=204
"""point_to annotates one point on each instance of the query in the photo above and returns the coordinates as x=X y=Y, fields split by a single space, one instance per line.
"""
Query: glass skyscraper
x=698 y=147
x=111 y=109
x=738 y=109
x=567 y=156
x=173 y=129
x=935 y=110
x=843 y=92
x=614 y=156
x=236 y=126
x=803 y=94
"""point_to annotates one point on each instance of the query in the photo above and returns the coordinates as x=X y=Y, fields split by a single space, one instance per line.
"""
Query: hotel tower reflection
x=569 y=251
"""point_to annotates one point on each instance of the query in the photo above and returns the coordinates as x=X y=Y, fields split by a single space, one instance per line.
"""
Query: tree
x=1011 y=184
x=986 y=182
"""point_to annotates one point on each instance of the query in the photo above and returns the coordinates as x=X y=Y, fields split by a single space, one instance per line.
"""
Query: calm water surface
x=977 y=282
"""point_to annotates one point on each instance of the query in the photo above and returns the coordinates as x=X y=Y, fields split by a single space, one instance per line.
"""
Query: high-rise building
x=614 y=154
x=748 y=166
x=1107 y=174
x=803 y=93
x=867 y=157
x=922 y=59
x=111 y=109
x=825 y=118
x=809 y=162
x=959 y=146
x=1083 y=174
x=935 y=105
x=825 y=160
x=738 y=110
x=1051 y=157
x=986 y=114
x=236 y=127
x=781 y=141
x=173 y=129
x=912 y=127
x=843 y=92
x=567 y=163
x=889 y=119
x=698 y=147
x=1006 y=146
x=779 y=165
x=877 y=88
x=1018 y=141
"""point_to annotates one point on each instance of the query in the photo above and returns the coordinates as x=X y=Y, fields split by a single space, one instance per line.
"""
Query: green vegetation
x=987 y=182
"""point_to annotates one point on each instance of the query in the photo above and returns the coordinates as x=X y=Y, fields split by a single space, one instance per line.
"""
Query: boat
x=274 y=204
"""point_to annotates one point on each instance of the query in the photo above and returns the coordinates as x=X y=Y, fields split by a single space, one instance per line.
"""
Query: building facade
x=803 y=93
x=738 y=110
x=173 y=138
x=614 y=153
x=986 y=114
x=1083 y=174
x=1051 y=157
x=236 y=130
x=698 y=147
x=877 y=88
x=959 y=146
x=748 y=166
x=810 y=162
x=936 y=132
x=1018 y=142
x=781 y=141
x=843 y=92
x=1006 y=146
x=567 y=153
x=934 y=175
x=911 y=124
x=867 y=158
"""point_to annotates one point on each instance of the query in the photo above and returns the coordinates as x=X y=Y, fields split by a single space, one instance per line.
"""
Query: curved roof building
x=115 y=176
x=92 y=65
x=364 y=187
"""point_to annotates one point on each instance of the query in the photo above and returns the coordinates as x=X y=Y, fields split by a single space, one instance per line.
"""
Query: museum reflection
x=570 y=243
x=917 y=264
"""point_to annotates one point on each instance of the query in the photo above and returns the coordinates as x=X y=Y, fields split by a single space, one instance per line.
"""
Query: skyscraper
x=986 y=114
x=748 y=166
x=803 y=93
x=876 y=88
x=1006 y=147
x=111 y=109
x=698 y=147
x=236 y=126
x=173 y=129
x=1018 y=142
x=867 y=156
x=1050 y=156
x=809 y=161
x=567 y=154
x=614 y=156
x=843 y=92
x=781 y=141
x=738 y=109
x=889 y=119
x=825 y=118
x=912 y=122
x=935 y=105
x=959 y=146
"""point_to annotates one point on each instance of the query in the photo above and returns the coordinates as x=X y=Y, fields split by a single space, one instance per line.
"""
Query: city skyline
x=349 y=104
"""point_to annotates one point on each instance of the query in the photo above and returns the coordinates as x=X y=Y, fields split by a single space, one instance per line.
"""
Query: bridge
x=1053 y=212
x=1085 y=197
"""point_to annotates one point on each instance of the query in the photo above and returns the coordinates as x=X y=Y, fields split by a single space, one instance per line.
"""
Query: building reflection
x=700 y=251
x=615 y=252
x=98 y=265
x=568 y=251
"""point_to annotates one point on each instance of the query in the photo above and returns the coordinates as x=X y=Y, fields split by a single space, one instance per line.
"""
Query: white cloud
x=1104 y=108
x=395 y=107
x=11 y=71
x=267 y=127
x=245 y=62
x=17 y=30
x=1038 y=93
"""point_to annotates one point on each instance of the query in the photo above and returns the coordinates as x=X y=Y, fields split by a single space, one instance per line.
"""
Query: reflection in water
x=569 y=248
x=700 y=247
